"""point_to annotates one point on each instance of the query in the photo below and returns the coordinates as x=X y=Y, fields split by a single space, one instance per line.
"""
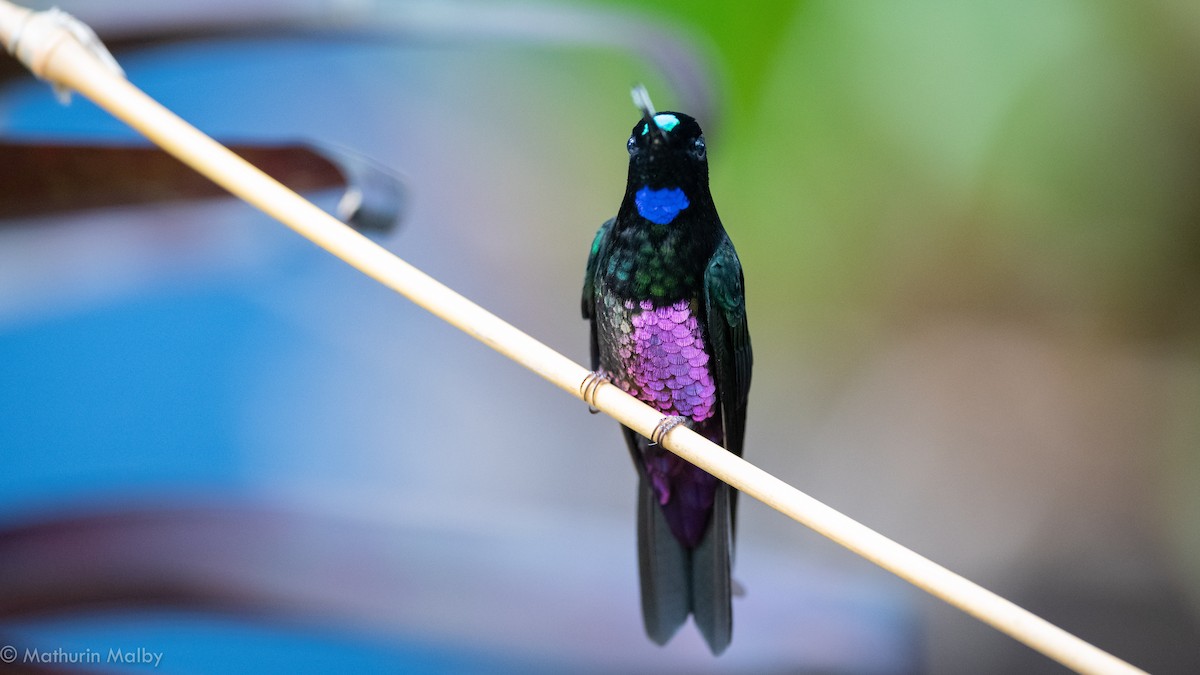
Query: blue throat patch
x=660 y=206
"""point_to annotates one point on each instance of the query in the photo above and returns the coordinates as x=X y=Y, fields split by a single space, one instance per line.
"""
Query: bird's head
x=666 y=149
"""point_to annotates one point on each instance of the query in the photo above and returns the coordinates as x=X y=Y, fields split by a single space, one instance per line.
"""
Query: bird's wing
x=725 y=304
x=588 y=304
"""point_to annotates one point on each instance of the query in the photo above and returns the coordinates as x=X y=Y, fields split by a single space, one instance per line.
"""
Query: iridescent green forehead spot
x=665 y=122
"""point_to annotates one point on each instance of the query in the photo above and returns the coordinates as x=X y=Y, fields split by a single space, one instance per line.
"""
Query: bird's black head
x=667 y=149
x=668 y=168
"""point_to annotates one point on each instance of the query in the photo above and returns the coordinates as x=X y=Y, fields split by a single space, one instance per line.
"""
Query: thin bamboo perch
x=57 y=55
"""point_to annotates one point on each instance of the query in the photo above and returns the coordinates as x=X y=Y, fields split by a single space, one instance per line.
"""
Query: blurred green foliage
x=1038 y=158
x=746 y=38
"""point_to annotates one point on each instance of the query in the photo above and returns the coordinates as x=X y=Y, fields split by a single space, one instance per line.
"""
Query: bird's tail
x=677 y=581
x=710 y=577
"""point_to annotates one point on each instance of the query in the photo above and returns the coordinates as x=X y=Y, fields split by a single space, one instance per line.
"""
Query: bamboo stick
x=64 y=57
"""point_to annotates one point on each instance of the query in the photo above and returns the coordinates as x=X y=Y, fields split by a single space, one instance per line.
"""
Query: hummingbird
x=665 y=299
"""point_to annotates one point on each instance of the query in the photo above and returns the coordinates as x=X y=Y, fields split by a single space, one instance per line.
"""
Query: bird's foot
x=589 y=386
x=664 y=427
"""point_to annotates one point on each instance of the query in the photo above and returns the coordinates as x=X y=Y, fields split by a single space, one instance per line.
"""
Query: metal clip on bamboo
x=62 y=51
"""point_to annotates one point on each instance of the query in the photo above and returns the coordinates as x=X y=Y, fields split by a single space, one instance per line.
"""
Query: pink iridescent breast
x=665 y=362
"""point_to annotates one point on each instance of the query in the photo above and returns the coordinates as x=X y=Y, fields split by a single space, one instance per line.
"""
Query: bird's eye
x=697 y=150
x=632 y=146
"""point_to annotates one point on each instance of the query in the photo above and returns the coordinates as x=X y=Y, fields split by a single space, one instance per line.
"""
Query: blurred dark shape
x=374 y=199
x=194 y=557
x=56 y=177
x=188 y=556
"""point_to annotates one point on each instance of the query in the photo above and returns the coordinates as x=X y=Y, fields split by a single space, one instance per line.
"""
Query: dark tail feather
x=663 y=563
x=710 y=578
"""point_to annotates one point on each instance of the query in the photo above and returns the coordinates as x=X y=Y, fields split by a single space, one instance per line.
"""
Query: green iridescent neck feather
x=661 y=263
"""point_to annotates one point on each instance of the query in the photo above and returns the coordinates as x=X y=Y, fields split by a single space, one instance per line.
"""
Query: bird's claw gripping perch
x=589 y=386
x=664 y=427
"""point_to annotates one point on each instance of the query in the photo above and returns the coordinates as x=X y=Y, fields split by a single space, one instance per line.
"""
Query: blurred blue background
x=972 y=260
